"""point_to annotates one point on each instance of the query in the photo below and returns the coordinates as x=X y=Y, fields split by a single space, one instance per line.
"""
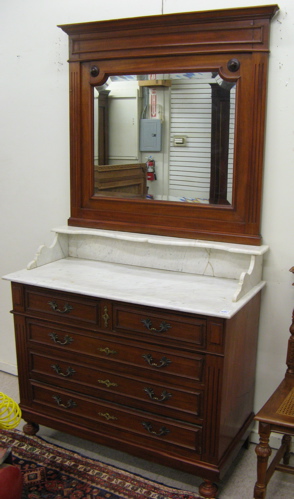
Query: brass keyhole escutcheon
x=105 y=317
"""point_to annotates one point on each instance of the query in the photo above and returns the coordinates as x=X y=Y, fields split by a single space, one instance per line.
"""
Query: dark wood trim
x=220 y=119
x=103 y=125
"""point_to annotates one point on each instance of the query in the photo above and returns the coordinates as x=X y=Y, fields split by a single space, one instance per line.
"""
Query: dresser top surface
x=178 y=291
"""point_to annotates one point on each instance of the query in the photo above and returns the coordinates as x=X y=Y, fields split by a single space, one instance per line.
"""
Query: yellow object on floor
x=10 y=413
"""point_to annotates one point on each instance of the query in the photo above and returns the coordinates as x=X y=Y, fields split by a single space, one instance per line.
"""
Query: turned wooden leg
x=263 y=452
x=208 y=489
x=30 y=428
x=287 y=441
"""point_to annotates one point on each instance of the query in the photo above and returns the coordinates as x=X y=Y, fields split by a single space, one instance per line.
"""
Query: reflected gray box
x=150 y=135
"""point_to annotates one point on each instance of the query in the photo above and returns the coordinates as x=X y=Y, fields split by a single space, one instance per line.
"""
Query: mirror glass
x=165 y=137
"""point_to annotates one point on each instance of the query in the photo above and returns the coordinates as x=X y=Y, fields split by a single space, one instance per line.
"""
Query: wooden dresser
x=127 y=336
x=171 y=381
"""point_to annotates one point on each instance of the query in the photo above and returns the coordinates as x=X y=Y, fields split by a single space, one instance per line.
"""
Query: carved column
x=220 y=127
x=103 y=128
x=290 y=351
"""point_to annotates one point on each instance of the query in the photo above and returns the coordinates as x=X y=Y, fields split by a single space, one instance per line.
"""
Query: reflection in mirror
x=165 y=137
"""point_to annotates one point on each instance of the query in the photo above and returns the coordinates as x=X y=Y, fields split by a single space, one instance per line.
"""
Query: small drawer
x=154 y=362
x=61 y=307
x=159 y=325
x=185 y=405
x=116 y=420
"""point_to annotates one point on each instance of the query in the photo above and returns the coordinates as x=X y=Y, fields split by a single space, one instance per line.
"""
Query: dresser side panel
x=241 y=336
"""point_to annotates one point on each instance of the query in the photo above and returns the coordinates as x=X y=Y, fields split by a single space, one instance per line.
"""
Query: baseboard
x=8 y=368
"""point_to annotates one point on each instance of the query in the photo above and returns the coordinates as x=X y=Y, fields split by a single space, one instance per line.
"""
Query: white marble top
x=144 y=286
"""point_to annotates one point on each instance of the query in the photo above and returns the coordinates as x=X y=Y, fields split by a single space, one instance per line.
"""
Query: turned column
x=263 y=452
x=290 y=351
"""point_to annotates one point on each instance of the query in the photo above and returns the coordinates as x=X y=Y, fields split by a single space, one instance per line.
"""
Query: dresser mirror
x=183 y=121
x=146 y=155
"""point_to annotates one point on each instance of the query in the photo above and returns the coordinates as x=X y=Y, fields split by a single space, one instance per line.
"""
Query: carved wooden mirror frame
x=234 y=42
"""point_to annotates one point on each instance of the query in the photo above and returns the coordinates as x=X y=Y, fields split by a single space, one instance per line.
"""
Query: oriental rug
x=52 y=472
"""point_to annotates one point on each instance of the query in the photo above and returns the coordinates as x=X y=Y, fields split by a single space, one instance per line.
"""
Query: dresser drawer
x=132 y=391
x=114 y=420
x=61 y=307
x=155 y=362
x=159 y=325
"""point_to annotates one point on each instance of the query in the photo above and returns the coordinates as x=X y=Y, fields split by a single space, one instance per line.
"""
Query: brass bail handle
x=163 y=327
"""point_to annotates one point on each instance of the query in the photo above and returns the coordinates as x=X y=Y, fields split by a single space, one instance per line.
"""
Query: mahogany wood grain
x=108 y=384
x=188 y=42
x=157 y=392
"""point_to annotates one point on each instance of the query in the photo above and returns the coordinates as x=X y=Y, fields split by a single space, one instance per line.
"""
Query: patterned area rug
x=51 y=472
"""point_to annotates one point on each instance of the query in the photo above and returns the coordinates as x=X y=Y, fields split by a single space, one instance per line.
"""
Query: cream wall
x=34 y=152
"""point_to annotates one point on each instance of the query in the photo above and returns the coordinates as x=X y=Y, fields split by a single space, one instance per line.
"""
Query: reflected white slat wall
x=190 y=116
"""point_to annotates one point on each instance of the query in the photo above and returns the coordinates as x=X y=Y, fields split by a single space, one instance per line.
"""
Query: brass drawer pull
x=164 y=396
x=107 y=351
x=163 y=362
x=69 y=372
x=106 y=382
x=67 y=308
x=162 y=431
x=107 y=416
x=69 y=405
x=67 y=339
x=162 y=328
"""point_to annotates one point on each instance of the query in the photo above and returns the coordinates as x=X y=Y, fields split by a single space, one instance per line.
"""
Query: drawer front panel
x=159 y=325
x=115 y=355
x=62 y=307
x=111 y=419
x=107 y=385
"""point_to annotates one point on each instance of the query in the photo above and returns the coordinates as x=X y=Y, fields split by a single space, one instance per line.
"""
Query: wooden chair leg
x=263 y=452
x=287 y=441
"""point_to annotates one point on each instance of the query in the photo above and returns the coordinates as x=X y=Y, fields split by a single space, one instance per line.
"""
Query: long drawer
x=117 y=421
x=176 y=403
x=156 y=361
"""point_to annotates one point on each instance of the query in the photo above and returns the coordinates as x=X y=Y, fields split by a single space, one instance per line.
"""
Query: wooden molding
x=194 y=41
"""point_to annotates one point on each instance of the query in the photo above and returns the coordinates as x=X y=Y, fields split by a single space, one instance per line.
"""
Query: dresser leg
x=30 y=428
x=208 y=489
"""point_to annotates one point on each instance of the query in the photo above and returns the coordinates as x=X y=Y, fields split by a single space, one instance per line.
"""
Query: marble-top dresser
x=141 y=342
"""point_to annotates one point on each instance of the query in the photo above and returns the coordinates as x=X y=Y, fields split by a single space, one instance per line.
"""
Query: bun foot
x=31 y=429
x=208 y=489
